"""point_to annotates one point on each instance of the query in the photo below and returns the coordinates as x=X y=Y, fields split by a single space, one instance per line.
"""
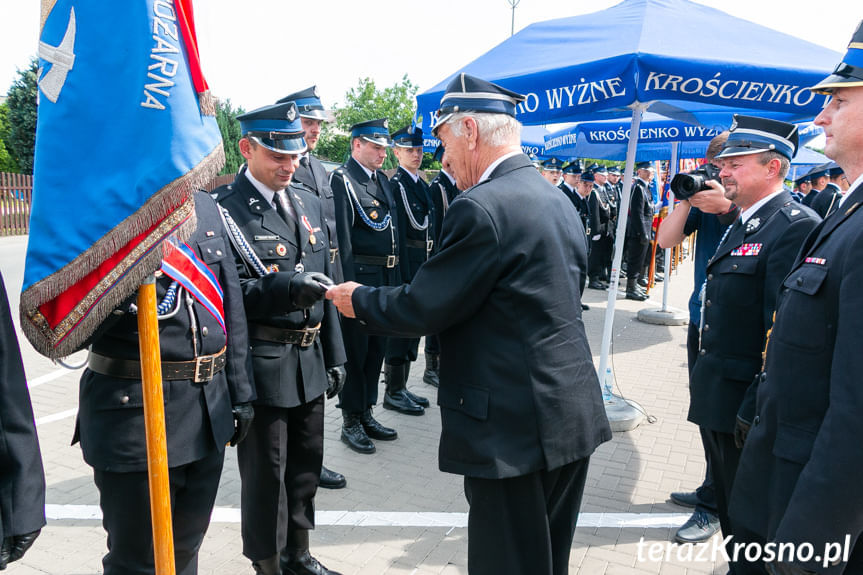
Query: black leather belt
x=202 y=369
x=300 y=337
x=385 y=261
x=421 y=244
x=333 y=253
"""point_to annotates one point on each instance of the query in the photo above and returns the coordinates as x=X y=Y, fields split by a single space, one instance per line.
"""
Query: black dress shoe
x=585 y=307
x=643 y=282
x=636 y=295
x=685 y=498
x=375 y=430
x=354 y=434
x=418 y=399
x=658 y=278
x=401 y=402
x=332 y=480
x=431 y=375
x=596 y=284
x=305 y=564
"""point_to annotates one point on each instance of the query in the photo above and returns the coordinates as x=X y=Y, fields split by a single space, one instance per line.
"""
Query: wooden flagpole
x=154 y=421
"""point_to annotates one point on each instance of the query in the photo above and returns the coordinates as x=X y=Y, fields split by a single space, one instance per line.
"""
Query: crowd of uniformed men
x=255 y=373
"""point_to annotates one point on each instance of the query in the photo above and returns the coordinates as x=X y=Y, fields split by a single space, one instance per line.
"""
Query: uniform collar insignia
x=752 y=225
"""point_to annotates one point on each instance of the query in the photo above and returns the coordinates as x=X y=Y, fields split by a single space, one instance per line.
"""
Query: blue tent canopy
x=532 y=141
x=571 y=69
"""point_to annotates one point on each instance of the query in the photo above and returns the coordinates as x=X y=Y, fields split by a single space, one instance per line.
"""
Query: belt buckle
x=391 y=261
x=429 y=245
x=205 y=368
x=308 y=338
x=333 y=253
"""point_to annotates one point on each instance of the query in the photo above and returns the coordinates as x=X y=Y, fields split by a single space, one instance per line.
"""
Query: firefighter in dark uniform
x=372 y=246
x=207 y=390
x=22 y=499
x=569 y=186
x=416 y=212
x=277 y=229
x=600 y=174
x=827 y=200
x=739 y=294
x=601 y=230
x=443 y=191
x=551 y=170
x=638 y=228
x=798 y=482
x=312 y=174
x=818 y=178
x=802 y=186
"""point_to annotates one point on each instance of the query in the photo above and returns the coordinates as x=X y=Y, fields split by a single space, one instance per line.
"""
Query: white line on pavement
x=57 y=416
x=400 y=519
x=48 y=377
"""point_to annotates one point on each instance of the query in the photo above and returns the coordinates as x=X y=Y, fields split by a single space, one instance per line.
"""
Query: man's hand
x=741 y=430
x=336 y=380
x=341 y=296
x=712 y=201
x=306 y=289
x=14 y=547
x=244 y=413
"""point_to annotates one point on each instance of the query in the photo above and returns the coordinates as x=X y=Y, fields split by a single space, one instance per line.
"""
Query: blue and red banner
x=126 y=133
x=183 y=265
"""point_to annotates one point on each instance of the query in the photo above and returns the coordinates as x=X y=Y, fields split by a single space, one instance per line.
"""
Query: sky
x=256 y=51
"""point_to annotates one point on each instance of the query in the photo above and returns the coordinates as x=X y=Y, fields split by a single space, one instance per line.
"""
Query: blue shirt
x=710 y=232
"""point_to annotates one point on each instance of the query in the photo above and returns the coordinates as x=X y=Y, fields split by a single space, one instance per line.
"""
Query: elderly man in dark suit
x=739 y=294
x=520 y=401
x=638 y=227
x=22 y=498
x=279 y=229
x=799 y=476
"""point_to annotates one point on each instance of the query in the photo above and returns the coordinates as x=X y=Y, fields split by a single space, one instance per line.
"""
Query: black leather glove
x=741 y=430
x=336 y=379
x=780 y=568
x=244 y=413
x=15 y=546
x=306 y=289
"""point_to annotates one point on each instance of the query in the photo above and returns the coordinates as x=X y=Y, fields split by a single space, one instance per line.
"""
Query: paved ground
x=399 y=514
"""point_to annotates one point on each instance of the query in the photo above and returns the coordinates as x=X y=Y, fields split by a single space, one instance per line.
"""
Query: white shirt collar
x=748 y=213
x=365 y=169
x=854 y=186
x=487 y=173
x=447 y=174
x=415 y=177
x=264 y=190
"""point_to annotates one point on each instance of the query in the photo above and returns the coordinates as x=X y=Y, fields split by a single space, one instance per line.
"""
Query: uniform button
x=219 y=252
x=710 y=276
x=303 y=254
x=124 y=400
x=270 y=252
x=708 y=303
x=800 y=281
x=706 y=328
x=703 y=352
x=209 y=251
x=756 y=421
x=734 y=267
x=204 y=331
x=461 y=401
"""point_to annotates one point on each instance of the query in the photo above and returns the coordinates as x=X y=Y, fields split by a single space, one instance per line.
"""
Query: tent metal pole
x=673 y=165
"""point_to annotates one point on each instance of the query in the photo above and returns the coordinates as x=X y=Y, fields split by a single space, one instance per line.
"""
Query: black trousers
x=636 y=253
x=280 y=467
x=524 y=524
x=401 y=350
x=365 y=354
x=125 y=502
x=432 y=345
x=597 y=259
x=706 y=492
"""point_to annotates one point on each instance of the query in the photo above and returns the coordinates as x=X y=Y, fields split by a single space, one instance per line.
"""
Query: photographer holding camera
x=708 y=212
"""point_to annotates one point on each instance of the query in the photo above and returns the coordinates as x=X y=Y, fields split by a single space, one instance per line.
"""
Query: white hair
x=494 y=129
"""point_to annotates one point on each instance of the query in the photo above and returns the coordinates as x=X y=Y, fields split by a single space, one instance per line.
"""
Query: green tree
x=7 y=162
x=229 y=126
x=362 y=103
x=21 y=104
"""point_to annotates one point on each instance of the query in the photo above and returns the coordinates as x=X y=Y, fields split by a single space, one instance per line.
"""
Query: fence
x=16 y=195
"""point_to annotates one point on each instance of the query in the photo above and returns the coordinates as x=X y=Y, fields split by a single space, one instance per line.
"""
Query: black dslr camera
x=687 y=185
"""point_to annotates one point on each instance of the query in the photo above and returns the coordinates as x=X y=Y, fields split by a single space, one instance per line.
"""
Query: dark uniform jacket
x=579 y=203
x=827 y=200
x=357 y=238
x=518 y=388
x=442 y=191
x=418 y=223
x=197 y=415
x=312 y=174
x=286 y=375
x=22 y=478
x=600 y=211
x=640 y=220
x=809 y=198
x=799 y=474
x=743 y=279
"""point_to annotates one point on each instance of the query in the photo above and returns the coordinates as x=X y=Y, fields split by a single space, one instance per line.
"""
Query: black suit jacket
x=22 y=478
x=743 y=279
x=442 y=191
x=640 y=221
x=198 y=417
x=286 y=375
x=358 y=238
x=315 y=177
x=827 y=200
x=600 y=212
x=518 y=390
x=414 y=196
x=799 y=474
